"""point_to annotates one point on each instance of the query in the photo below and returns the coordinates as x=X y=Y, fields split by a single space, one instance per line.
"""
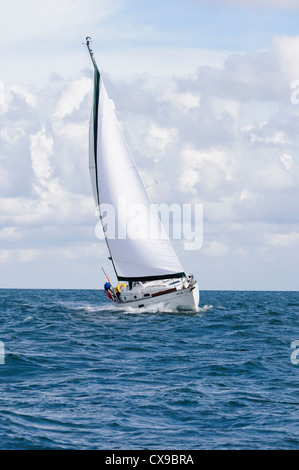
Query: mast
x=97 y=78
x=88 y=41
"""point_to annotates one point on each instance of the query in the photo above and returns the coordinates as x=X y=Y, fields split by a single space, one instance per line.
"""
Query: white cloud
x=2 y=94
x=223 y=105
x=283 y=240
x=161 y=137
x=24 y=93
x=183 y=101
x=10 y=233
x=159 y=61
x=225 y=136
x=55 y=255
x=12 y=133
x=287 y=160
x=207 y=168
x=274 y=178
x=247 y=197
x=72 y=97
x=34 y=152
x=41 y=149
x=215 y=248
x=286 y=48
x=8 y=93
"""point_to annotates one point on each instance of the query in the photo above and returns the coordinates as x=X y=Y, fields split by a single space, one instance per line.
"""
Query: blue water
x=80 y=374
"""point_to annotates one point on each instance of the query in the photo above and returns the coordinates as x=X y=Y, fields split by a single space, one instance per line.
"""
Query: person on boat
x=108 y=290
x=191 y=281
x=119 y=288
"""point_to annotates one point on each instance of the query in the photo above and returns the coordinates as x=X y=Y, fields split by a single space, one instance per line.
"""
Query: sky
x=206 y=94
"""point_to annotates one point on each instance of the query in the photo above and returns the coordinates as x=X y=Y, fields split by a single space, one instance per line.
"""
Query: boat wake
x=164 y=308
x=160 y=307
x=206 y=308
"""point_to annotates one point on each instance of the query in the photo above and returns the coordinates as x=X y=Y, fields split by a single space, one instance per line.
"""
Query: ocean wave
x=73 y=357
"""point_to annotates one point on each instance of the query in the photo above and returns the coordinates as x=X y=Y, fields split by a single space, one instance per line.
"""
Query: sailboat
x=146 y=266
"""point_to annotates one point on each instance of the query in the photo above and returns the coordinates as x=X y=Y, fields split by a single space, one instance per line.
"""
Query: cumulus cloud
x=215 y=248
x=41 y=188
x=283 y=239
x=225 y=137
x=41 y=149
x=235 y=150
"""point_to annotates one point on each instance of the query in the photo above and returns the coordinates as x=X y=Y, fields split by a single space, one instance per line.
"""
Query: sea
x=78 y=373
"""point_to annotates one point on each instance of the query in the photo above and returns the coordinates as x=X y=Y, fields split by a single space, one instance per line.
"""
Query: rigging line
x=153 y=184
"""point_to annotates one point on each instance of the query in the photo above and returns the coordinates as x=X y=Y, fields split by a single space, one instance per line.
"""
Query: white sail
x=137 y=251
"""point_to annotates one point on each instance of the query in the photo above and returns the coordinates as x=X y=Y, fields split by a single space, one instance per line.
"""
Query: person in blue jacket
x=107 y=287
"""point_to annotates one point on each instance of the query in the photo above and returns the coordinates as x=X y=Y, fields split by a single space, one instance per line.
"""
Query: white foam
x=156 y=308
x=27 y=319
x=206 y=308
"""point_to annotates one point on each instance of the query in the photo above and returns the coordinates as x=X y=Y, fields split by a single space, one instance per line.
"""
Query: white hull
x=175 y=295
x=182 y=299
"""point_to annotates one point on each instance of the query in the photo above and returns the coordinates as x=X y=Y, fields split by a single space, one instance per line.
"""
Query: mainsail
x=138 y=245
